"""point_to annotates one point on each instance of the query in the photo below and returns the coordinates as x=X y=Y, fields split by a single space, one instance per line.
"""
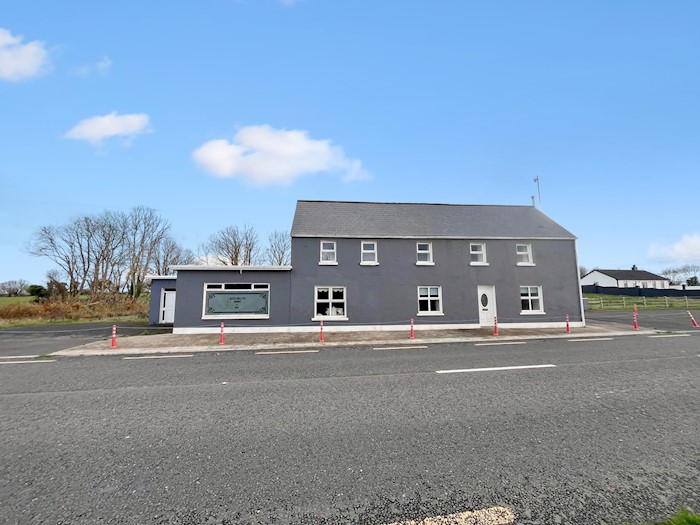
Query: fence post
x=666 y=301
x=624 y=304
x=686 y=302
x=601 y=302
x=644 y=300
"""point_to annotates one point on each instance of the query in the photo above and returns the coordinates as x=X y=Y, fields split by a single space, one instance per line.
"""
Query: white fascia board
x=157 y=277
x=196 y=267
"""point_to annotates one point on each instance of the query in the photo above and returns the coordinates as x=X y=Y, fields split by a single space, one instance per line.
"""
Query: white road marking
x=157 y=356
x=668 y=335
x=19 y=356
x=288 y=352
x=398 y=347
x=584 y=339
x=490 y=516
x=502 y=343
x=493 y=369
x=28 y=362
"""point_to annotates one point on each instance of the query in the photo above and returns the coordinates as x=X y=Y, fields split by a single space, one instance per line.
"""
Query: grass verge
x=682 y=517
x=19 y=323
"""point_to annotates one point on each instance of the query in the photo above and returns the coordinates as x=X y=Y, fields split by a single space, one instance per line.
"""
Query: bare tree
x=234 y=246
x=107 y=252
x=582 y=270
x=145 y=231
x=109 y=230
x=251 y=246
x=168 y=253
x=66 y=246
x=279 y=248
x=681 y=274
x=14 y=288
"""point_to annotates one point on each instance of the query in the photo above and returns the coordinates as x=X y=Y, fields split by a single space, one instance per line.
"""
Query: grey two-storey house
x=374 y=266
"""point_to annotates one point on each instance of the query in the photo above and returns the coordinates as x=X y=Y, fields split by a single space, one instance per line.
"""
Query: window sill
x=478 y=264
x=429 y=314
x=525 y=264
x=328 y=263
x=234 y=317
x=425 y=263
x=330 y=318
x=533 y=313
x=369 y=264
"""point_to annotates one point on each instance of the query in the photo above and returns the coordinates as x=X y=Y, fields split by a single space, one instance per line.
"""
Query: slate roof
x=391 y=220
x=632 y=275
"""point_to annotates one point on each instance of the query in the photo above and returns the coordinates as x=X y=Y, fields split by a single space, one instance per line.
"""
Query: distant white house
x=633 y=278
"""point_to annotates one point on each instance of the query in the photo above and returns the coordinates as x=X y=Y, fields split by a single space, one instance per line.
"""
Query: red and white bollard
x=221 y=335
x=114 y=336
x=495 y=325
x=568 y=328
x=692 y=320
x=412 y=334
x=321 y=338
x=635 y=324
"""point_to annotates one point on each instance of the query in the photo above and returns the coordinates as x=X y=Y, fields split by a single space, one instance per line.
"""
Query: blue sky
x=226 y=112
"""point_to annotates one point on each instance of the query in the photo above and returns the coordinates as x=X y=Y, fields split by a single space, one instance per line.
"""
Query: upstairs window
x=523 y=253
x=424 y=253
x=368 y=253
x=328 y=253
x=531 y=300
x=477 y=254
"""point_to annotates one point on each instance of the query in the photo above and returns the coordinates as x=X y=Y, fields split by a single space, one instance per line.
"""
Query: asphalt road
x=610 y=434
x=669 y=320
x=44 y=339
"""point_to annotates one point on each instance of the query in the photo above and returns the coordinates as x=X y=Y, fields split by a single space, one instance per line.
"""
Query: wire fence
x=622 y=302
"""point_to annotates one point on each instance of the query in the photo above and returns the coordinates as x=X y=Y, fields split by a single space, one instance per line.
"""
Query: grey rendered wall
x=157 y=286
x=190 y=296
x=388 y=293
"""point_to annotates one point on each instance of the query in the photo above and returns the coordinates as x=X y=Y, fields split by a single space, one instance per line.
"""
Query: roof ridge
x=419 y=203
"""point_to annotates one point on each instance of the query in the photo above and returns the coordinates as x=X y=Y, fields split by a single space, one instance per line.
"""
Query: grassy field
x=15 y=300
x=627 y=302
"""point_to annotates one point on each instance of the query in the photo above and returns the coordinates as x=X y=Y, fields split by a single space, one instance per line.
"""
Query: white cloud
x=96 y=129
x=21 y=61
x=262 y=155
x=100 y=67
x=687 y=249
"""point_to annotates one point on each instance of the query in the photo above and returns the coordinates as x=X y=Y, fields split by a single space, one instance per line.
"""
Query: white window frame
x=330 y=317
x=527 y=253
x=229 y=286
x=334 y=251
x=430 y=298
x=375 y=251
x=482 y=253
x=429 y=251
x=529 y=297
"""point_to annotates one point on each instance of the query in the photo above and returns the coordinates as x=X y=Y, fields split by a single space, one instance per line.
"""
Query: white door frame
x=161 y=315
x=488 y=313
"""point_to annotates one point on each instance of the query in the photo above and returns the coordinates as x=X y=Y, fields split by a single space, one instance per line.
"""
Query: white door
x=167 y=314
x=487 y=305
